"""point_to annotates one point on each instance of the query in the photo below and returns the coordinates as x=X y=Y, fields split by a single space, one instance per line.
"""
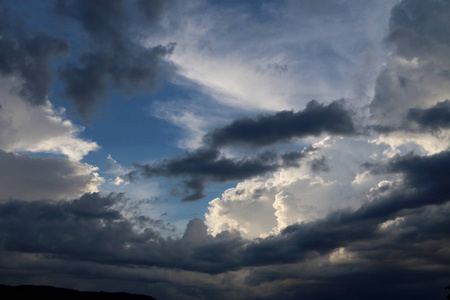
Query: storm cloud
x=432 y=118
x=284 y=126
x=209 y=165
x=390 y=228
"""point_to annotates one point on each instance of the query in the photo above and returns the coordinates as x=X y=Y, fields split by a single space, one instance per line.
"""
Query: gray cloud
x=87 y=83
x=426 y=120
x=291 y=159
x=28 y=57
x=411 y=242
x=208 y=165
x=434 y=118
x=151 y=9
x=283 y=126
x=425 y=186
x=417 y=72
x=117 y=55
x=320 y=165
x=34 y=178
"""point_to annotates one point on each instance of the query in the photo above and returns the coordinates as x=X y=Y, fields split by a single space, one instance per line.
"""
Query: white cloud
x=281 y=63
x=391 y=223
x=37 y=128
x=342 y=256
x=262 y=206
x=419 y=142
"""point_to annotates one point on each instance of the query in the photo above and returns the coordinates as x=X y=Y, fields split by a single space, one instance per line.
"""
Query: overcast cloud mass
x=226 y=150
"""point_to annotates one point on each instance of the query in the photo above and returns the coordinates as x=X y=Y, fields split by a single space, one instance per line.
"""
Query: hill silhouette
x=50 y=293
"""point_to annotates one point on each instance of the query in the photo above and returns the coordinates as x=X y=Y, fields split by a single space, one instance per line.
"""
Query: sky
x=206 y=149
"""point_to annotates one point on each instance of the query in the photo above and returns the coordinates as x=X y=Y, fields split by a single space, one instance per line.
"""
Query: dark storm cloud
x=405 y=259
x=283 y=126
x=28 y=57
x=208 y=165
x=94 y=229
x=434 y=118
x=425 y=185
x=116 y=55
x=83 y=228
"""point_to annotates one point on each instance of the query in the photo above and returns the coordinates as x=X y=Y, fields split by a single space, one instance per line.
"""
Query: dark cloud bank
x=314 y=120
x=207 y=164
x=93 y=230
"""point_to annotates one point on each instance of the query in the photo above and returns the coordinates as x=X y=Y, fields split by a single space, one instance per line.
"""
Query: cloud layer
x=207 y=164
x=92 y=228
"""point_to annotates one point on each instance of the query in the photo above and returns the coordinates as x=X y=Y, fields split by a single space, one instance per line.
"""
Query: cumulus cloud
x=416 y=73
x=40 y=128
x=35 y=178
x=303 y=193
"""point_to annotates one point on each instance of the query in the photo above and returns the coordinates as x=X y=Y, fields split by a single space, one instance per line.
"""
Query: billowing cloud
x=416 y=73
x=302 y=193
x=34 y=178
x=42 y=128
x=92 y=229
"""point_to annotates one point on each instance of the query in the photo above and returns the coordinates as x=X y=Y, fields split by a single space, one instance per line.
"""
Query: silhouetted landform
x=50 y=293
